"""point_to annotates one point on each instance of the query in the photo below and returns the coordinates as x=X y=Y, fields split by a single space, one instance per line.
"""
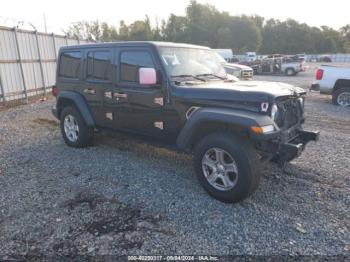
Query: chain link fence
x=28 y=62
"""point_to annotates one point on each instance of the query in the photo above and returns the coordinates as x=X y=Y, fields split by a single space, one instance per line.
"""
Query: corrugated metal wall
x=28 y=62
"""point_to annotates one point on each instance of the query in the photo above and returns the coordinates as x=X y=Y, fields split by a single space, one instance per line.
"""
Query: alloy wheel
x=343 y=99
x=220 y=169
x=71 y=128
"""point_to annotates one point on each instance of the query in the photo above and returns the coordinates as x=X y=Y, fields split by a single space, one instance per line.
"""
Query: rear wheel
x=74 y=130
x=341 y=96
x=290 y=72
x=227 y=167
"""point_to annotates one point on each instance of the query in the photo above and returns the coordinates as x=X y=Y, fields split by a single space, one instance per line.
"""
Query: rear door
x=99 y=79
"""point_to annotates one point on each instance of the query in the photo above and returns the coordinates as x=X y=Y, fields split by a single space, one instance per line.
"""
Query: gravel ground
x=123 y=196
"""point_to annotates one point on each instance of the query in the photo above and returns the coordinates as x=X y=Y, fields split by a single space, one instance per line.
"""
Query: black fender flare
x=234 y=117
x=80 y=102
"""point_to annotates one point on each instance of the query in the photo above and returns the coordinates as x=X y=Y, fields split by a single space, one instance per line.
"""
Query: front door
x=139 y=108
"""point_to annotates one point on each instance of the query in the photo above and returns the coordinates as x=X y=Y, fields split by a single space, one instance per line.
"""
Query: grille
x=247 y=74
x=290 y=113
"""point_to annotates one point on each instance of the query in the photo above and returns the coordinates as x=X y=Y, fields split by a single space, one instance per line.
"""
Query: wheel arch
x=208 y=120
x=341 y=83
x=69 y=98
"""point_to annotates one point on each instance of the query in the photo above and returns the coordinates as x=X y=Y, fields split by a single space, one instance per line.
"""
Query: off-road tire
x=337 y=92
x=244 y=155
x=86 y=133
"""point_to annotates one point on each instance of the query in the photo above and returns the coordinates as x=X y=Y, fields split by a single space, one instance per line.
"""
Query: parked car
x=325 y=59
x=335 y=81
x=250 y=56
x=227 y=55
x=300 y=57
x=180 y=95
x=240 y=71
x=278 y=65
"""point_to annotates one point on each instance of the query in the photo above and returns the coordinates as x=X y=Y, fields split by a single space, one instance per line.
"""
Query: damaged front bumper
x=294 y=148
x=287 y=145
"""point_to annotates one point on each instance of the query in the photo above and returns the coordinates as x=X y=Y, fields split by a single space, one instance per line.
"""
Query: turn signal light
x=262 y=129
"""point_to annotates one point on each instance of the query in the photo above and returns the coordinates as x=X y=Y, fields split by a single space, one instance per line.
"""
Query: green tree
x=246 y=36
x=175 y=29
x=93 y=31
x=123 y=31
x=140 y=30
x=205 y=25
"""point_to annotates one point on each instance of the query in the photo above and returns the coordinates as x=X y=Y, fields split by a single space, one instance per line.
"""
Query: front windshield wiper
x=220 y=77
x=195 y=77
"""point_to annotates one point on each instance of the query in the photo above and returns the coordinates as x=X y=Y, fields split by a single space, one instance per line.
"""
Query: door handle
x=120 y=95
x=89 y=91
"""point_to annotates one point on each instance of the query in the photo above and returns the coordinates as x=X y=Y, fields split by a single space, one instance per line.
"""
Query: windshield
x=180 y=61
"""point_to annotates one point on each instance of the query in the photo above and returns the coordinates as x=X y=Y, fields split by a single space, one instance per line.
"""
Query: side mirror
x=147 y=76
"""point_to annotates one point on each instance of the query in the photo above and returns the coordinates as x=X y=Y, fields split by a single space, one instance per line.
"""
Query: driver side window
x=131 y=62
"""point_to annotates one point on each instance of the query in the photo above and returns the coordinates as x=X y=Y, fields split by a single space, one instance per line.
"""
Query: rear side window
x=99 y=66
x=131 y=61
x=70 y=65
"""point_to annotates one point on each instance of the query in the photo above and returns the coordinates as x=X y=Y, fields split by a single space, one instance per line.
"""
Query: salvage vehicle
x=335 y=81
x=278 y=65
x=243 y=72
x=227 y=55
x=180 y=95
x=240 y=71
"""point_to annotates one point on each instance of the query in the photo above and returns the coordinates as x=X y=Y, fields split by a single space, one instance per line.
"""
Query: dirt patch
x=85 y=197
x=46 y=122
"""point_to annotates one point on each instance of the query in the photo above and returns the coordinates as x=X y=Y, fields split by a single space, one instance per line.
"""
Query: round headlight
x=274 y=112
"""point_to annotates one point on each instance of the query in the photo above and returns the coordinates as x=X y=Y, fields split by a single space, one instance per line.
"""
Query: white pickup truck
x=335 y=81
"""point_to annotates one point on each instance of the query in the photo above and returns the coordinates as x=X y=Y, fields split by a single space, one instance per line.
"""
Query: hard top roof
x=133 y=44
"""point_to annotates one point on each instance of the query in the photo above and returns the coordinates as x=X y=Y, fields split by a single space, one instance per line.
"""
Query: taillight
x=55 y=91
x=319 y=74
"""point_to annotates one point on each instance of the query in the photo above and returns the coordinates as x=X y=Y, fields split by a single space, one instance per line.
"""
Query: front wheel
x=227 y=167
x=341 y=96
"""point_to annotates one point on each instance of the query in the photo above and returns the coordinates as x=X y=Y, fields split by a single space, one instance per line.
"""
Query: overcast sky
x=60 y=13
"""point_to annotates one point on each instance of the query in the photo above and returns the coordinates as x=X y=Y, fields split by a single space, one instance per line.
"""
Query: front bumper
x=285 y=146
x=292 y=149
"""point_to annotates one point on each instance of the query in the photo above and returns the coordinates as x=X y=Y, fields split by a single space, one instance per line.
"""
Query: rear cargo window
x=131 y=61
x=99 y=66
x=70 y=65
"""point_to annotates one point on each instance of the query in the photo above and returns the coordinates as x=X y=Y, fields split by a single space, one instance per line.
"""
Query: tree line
x=203 y=24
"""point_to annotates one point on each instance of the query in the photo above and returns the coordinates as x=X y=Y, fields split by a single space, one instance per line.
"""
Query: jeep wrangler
x=180 y=95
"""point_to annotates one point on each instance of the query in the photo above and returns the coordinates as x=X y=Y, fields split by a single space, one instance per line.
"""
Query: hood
x=243 y=91
x=242 y=67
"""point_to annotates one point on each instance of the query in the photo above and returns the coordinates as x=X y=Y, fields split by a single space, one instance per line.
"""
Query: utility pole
x=45 y=26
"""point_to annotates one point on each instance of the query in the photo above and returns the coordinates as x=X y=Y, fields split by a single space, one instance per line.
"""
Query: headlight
x=274 y=112
x=301 y=101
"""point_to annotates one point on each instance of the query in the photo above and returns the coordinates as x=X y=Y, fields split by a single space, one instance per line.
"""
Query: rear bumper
x=315 y=87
